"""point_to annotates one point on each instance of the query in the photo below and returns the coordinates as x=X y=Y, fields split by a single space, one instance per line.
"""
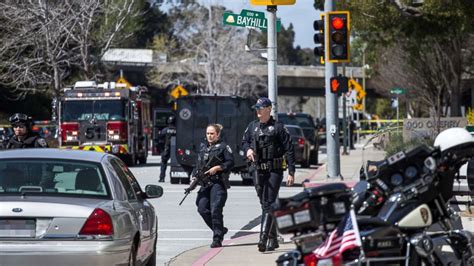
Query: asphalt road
x=180 y=228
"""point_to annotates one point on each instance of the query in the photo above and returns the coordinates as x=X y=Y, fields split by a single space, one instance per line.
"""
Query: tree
x=44 y=41
x=212 y=54
x=425 y=49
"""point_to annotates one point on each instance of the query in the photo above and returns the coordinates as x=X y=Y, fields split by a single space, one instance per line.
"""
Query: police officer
x=266 y=142
x=216 y=160
x=24 y=137
x=167 y=133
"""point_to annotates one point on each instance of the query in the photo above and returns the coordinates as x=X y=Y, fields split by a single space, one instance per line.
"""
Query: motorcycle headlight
x=302 y=216
x=284 y=221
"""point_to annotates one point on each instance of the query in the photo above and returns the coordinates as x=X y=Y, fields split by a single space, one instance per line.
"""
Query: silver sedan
x=64 y=207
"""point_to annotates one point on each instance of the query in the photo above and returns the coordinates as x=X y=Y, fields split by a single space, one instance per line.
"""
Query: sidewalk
x=243 y=250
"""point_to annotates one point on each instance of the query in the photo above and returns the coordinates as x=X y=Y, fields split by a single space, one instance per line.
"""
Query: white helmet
x=452 y=137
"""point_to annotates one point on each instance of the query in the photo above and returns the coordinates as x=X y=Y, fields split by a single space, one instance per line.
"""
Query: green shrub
x=396 y=143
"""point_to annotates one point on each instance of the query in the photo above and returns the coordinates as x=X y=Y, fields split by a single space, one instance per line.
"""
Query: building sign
x=429 y=127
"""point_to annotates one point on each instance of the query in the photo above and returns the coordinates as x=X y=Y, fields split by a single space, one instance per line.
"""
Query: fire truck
x=109 y=117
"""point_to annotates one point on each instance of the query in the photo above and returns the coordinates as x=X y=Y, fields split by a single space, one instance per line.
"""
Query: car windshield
x=101 y=110
x=54 y=177
x=294 y=131
x=302 y=121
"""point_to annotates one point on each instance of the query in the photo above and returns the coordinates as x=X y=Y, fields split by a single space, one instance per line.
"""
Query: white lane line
x=255 y=229
x=231 y=191
x=184 y=239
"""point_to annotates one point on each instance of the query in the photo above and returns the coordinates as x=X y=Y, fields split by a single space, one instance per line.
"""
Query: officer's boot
x=272 y=239
x=267 y=222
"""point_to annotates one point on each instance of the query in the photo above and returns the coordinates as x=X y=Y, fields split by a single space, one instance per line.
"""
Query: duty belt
x=275 y=164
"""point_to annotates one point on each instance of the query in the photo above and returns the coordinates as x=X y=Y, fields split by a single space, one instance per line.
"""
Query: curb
x=215 y=251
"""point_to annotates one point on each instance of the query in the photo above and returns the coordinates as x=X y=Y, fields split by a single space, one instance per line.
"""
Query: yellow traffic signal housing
x=319 y=38
x=338 y=37
x=272 y=2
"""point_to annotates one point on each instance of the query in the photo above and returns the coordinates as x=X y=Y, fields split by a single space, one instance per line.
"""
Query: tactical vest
x=269 y=150
x=31 y=141
x=268 y=147
x=207 y=152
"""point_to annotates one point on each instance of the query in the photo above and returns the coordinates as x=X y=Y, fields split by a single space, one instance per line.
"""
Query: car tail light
x=311 y=260
x=69 y=132
x=98 y=223
x=117 y=131
x=301 y=142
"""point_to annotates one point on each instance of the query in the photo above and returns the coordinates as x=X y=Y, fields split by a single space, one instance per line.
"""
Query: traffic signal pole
x=272 y=59
x=332 y=131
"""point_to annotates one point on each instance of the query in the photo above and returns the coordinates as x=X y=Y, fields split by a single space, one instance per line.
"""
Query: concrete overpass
x=292 y=80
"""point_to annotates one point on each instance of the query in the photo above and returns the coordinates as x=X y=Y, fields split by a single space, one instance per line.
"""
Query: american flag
x=344 y=237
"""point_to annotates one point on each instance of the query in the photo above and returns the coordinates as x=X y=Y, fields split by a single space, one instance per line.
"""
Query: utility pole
x=332 y=132
x=272 y=59
x=344 y=117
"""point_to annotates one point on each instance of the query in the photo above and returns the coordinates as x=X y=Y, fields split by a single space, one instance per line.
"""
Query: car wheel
x=132 y=258
x=305 y=163
x=174 y=180
x=142 y=160
x=247 y=182
x=314 y=157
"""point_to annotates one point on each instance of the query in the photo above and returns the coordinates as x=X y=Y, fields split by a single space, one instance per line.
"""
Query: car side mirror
x=153 y=191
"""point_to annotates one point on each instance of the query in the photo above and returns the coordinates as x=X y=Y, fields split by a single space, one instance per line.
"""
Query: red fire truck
x=109 y=117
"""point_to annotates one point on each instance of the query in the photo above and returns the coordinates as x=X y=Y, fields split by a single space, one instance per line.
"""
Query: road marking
x=184 y=239
x=255 y=229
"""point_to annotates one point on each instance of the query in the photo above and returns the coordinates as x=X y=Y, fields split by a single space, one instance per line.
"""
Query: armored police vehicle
x=193 y=114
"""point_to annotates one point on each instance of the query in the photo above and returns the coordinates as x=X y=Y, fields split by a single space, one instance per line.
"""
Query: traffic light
x=339 y=84
x=319 y=38
x=339 y=37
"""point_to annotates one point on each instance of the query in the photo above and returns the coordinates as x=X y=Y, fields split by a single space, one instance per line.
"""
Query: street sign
x=272 y=2
x=398 y=91
x=178 y=91
x=248 y=18
x=122 y=80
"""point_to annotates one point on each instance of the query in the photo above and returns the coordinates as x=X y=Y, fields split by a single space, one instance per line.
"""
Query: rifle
x=253 y=168
x=200 y=177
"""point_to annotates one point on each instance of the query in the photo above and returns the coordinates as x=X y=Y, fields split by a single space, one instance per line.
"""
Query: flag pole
x=357 y=233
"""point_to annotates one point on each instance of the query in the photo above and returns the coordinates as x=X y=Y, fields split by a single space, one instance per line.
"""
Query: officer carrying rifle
x=265 y=143
x=214 y=162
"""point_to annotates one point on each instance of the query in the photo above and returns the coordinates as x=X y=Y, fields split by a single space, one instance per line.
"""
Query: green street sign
x=248 y=18
x=398 y=91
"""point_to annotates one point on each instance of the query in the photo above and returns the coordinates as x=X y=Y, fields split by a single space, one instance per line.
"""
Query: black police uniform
x=212 y=195
x=271 y=142
x=168 y=132
x=31 y=140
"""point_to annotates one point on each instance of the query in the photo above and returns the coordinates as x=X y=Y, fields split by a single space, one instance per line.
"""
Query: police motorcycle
x=395 y=207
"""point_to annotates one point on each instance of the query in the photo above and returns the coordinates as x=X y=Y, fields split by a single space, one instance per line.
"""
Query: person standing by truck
x=167 y=133
x=214 y=162
x=23 y=136
x=266 y=142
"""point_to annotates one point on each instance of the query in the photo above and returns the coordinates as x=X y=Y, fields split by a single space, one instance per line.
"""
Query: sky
x=302 y=15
